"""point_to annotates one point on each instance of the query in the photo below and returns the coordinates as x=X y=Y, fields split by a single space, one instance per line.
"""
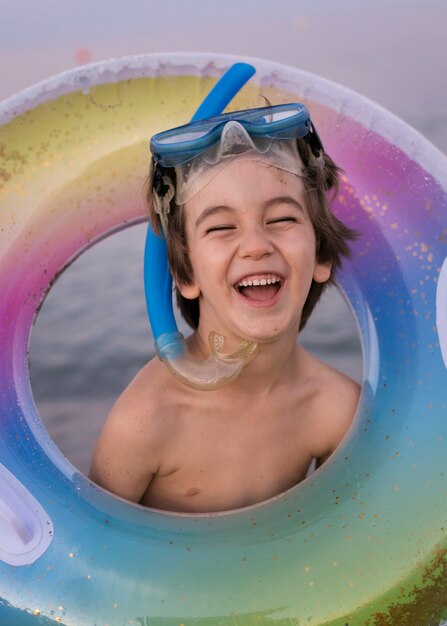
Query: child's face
x=250 y=225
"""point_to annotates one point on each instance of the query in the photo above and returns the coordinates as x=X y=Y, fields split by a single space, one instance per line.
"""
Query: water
x=92 y=336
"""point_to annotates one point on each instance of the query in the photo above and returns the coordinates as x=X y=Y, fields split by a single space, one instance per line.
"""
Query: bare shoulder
x=148 y=396
x=130 y=447
x=141 y=410
x=338 y=390
x=334 y=404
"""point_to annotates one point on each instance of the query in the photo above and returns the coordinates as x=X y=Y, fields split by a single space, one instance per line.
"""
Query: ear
x=322 y=272
x=190 y=291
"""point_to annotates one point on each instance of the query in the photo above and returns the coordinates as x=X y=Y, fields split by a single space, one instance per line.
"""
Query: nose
x=255 y=243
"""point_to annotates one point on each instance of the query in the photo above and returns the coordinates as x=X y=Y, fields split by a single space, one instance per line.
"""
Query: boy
x=251 y=245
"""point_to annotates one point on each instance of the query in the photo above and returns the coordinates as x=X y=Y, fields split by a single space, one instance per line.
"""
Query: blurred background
x=92 y=334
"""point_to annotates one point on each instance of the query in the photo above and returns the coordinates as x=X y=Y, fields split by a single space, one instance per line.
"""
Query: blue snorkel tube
x=219 y=368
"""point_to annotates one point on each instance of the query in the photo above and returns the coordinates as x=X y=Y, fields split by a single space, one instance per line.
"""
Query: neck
x=274 y=363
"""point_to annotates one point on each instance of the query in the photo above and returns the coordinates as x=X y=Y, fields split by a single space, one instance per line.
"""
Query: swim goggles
x=200 y=150
x=176 y=146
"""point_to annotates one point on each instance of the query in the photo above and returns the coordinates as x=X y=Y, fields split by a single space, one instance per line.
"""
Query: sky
x=393 y=51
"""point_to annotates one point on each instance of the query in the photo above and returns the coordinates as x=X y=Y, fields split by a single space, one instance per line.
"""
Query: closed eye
x=285 y=218
x=222 y=227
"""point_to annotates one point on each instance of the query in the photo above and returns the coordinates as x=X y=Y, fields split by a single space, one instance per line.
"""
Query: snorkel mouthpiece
x=217 y=370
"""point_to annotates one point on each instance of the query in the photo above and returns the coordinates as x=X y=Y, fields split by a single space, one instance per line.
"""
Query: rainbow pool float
x=362 y=541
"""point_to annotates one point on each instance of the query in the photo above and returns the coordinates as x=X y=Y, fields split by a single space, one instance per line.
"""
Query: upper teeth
x=256 y=282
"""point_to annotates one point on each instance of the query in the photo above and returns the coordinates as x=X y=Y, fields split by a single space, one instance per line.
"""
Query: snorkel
x=219 y=368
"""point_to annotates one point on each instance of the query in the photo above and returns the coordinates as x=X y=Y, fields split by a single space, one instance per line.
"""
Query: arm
x=126 y=456
x=336 y=411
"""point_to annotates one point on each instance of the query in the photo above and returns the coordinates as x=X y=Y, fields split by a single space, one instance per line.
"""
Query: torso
x=223 y=451
x=218 y=461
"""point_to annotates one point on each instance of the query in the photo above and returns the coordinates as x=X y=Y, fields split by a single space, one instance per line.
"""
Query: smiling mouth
x=259 y=289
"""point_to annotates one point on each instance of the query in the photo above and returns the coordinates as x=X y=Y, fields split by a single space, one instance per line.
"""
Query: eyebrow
x=290 y=200
x=211 y=211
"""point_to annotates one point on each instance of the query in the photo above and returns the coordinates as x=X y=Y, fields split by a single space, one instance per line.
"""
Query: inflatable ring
x=363 y=541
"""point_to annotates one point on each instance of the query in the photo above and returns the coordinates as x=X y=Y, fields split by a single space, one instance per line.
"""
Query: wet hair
x=320 y=178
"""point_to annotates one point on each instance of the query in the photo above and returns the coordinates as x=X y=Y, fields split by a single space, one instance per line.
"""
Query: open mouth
x=260 y=288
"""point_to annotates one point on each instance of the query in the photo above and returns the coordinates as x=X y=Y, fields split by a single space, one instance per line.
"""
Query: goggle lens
x=277 y=116
x=183 y=136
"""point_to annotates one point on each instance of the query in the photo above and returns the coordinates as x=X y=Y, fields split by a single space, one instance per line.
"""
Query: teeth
x=256 y=282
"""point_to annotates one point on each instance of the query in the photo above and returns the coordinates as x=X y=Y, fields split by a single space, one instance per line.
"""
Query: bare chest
x=221 y=459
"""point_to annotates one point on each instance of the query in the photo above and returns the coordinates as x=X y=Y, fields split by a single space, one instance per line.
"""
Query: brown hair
x=320 y=176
